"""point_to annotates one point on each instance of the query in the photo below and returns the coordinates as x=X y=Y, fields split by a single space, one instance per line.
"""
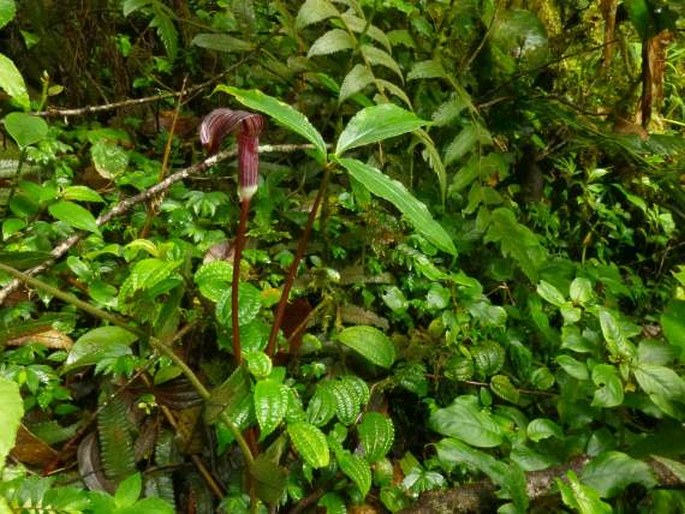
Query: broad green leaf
x=109 y=159
x=362 y=26
x=581 y=498
x=24 y=260
x=377 y=57
x=258 y=364
x=640 y=14
x=281 y=112
x=660 y=380
x=222 y=43
x=234 y=397
x=610 y=392
x=357 y=469
x=213 y=278
x=131 y=6
x=12 y=82
x=249 y=304
x=333 y=503
x=322 y=405
x=370 y=343
x=581 y=291
x=11 y=412
x=314 y=11
x=25 y=129
x=395 y=192
x=98 y=344
x=611 y=472
x=146 y=274
x=673 y=325
x=357 y=79
x=614 y=336
x=573 y=367
x=270 y=479
x=463 y=420
x=333 y=41
x=310 y=443
x=7 y=11
x=376 y=435
x=550 y=293
x=347 y=405
x=543 y=428
x=128 y=491
x=376 y=123
x=270 y=404
x=81 y=194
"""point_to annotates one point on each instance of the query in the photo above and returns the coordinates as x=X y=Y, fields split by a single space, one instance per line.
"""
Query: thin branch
x=128 y=203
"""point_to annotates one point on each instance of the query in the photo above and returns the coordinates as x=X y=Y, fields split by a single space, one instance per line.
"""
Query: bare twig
x=128 y=203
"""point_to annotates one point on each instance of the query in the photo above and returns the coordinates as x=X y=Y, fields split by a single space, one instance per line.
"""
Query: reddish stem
x=239 y=243
x=292 y=272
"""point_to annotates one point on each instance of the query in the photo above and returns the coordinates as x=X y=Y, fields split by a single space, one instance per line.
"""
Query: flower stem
x=237 y=256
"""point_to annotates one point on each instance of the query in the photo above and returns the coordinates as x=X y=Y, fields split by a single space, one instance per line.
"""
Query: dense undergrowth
x=459 y=286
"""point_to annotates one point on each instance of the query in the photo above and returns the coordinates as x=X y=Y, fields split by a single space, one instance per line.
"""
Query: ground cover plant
x=342 y=256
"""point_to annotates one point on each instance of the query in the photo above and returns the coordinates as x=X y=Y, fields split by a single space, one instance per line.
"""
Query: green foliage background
x=492 y=295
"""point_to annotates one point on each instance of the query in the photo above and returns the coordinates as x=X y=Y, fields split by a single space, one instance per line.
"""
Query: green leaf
x=249 y=304
x=580 y=497
x=81 y=194
x=281 y=112
x=357 y=469
x=393 y=191
x=258 y=364
x=333 y=503
x=270 y=405
x=611 y=472
x=310 y=443
x=660 y=380
x=376 y=123
x=128 y=491
x=23 y=260
x=11 y=412
x=12 y=83
x=8 y=10
x=98 y=344
x=74 y=215
x=222 y=43
x=581 y=291
x=109 y=159
x=617 y=342
x=357 y=79
x=25 y=129
x=270 y=479
x=610 y=392
x=502 y=387
x=463 y=420
x=314 y=11
x=370 y=343
x=431 y=69
x=470 y=136
x=376 y=435
x=234 y=397
x=322 y=405
x=213 y=278
x=573 y=367
x=673 y=325
x=377 y=57
x=543 y=428
x=333 y=41
x=550 y=293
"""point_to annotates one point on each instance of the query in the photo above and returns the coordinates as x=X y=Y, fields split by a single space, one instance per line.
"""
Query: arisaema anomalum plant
x=247 y=126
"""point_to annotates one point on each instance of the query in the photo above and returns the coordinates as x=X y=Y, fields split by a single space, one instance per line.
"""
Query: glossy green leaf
x=98 y=344
x=234 y=397
x=611 y=472
x=213 y=278
x=610 y=392
x=11 y=412
x=581 y=291
x=543 y=428
x=463 y=420
x=471 y=137
x=581 y=498
x=376 y=435
x=377 y=57
x=81 y=194
x=322 y=405
x=357 y=470
x=376 y=123
x=573 y=367
x=249 y=304
x=396 y=193
x=23 y=260
x=73 y=215
x=222 y=43
x=370 y=343
x=333 y=41
x=310 y=443
x=8 y=10
x=333 y=503
x=26 y=130
x=109 y=159
x=281 y=112
x=614 y=336
x=314 y=11
x=128 y=491
x=660 y=380
x=12 y=82
x=347 y=405
x=258 y=364
x=431 y=69
x=357 y=79
x=270 y=405
x=502 y=387
x=551 y=293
